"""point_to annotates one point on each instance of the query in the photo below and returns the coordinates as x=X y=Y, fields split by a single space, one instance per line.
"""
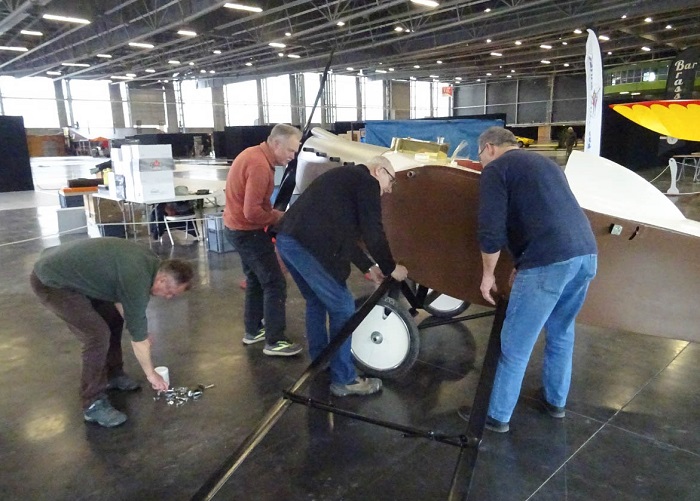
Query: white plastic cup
x=164 y=373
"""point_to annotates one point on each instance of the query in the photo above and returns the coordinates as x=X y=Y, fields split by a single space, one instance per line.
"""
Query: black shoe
x=552 y=410
x=123 y=383
x=102 y=413
x=496 y=426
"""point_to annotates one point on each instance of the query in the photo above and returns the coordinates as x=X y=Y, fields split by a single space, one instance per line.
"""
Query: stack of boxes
x=147 y=171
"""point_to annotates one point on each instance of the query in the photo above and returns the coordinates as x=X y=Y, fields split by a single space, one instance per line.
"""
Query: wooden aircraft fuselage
x=648 y=277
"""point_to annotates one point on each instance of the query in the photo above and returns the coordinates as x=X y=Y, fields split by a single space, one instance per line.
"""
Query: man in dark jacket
x=318 y=239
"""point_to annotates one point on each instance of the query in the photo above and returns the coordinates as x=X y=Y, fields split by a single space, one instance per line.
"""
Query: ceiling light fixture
x=512 y=71
x=488 y=74
x=350 y=68
x=141 y=45
x=54 y=73
x=609 y=53
x=625 y=92
x=239 y=6
x=518 y=42
x=488 y=40
x=32 y=33
x=380 y=71
x=434 y=76
x=509 y=76
x=438 y=62
x=212 y=72
x=566 y=65
x=202 y=71
x=120 y=77
x=668 y=27
x=578 y=31
x=459 y=79
x=545 y=46
x=280 y=54
x=173 y=61
x=497 y=54
x=340 y=23
x=77 y=65
x=191 y=63
x=635 y=93
x=104 y=56
x=565 y=43
x=187 y=33
x=624 y=16
x=426 y=3
x=13 y=49
x=391 y=69
x=131 y=75
x=217 y=51
x=416 y=66
x=249 y=64
x=604 y=38
x=648 y=19
x=77 y=20
x=646 y=49
x=398 y=28
x=277 y=45
x=287 y=34
x=544 y=61
x=150 y=70
x=293 y=56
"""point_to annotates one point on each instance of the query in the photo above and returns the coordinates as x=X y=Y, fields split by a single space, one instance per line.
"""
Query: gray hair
x=379 y=162
x=497 y=136
x=283 y=131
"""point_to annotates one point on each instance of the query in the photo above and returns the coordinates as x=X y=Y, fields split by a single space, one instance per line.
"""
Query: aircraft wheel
x=387 y=342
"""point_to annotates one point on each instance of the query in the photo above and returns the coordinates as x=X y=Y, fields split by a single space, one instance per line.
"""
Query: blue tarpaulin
x=380 y=132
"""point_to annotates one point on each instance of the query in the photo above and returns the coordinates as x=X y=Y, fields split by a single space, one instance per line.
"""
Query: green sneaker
x=254 y=338
x=282 y=349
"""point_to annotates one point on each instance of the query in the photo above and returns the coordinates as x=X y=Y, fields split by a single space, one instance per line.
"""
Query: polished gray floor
x=632 y=430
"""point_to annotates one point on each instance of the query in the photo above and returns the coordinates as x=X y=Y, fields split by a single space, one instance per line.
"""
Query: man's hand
x=376 y=275
x=400 y=273
x=488 y=286
x=157 y=382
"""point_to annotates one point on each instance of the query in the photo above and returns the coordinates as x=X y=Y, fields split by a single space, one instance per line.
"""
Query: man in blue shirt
x=526 y=206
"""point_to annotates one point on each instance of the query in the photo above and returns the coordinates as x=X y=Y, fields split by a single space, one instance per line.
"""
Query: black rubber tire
x=520 y=144
x=376 y=340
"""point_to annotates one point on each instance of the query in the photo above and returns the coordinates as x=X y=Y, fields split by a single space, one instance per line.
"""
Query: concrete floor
x=632 y=430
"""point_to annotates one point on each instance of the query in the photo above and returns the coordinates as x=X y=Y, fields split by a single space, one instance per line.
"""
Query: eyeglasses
x=392 y=178
x=482 y=150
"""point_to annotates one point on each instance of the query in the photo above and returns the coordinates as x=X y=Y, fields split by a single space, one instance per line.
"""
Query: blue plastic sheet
x=380 y=132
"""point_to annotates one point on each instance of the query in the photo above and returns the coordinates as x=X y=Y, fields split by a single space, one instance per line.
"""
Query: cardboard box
x=150 y=186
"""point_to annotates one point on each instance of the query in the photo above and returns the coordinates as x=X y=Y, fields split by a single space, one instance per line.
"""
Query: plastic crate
x=216 y=240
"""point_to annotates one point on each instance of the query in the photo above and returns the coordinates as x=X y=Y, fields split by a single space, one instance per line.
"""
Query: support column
x=171 y=108
x=61 y=104
x=261 y=99
x=115 y=99
x=219 y=104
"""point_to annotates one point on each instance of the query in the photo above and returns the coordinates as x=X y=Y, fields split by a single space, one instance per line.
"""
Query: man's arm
x=142 y=350
x=488 y=277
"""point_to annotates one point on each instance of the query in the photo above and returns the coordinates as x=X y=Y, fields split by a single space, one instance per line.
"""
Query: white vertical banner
x=594 y=95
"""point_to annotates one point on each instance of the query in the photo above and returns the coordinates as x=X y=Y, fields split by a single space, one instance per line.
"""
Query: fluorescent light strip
x=545 y=46
x=77 y=65
x=187 y=33
x=277 y=45
x=32 y=33
x=14 y=49
x=150 y=70
x=294 y=56
x=77 y=20
x=120 y=77
x=426 y=3
x=104 y=56
x=239 y=6
x=54 y=73
x=497 y=54
x=141 y=45
x=544 y=61
x=174 y=61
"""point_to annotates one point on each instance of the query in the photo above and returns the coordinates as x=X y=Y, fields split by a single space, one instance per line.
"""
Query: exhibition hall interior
x=120 y=119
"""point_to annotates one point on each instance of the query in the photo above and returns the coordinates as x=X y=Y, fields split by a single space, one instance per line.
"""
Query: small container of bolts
x=182 y=394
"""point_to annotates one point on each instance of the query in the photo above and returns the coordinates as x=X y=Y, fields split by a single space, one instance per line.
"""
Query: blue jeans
x=325 y=297
x=547 y=297
x=266 y=288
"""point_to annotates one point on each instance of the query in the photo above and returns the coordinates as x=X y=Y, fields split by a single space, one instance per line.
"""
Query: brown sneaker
x=361 y=386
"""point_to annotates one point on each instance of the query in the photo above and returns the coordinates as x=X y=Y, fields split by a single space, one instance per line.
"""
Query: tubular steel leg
x=464 y=470
x=219 y=478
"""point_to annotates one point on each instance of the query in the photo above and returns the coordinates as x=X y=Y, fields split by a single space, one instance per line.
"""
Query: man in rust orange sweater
x=248 y=212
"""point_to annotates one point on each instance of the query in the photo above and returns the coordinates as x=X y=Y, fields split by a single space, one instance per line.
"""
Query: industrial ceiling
x=467 y=40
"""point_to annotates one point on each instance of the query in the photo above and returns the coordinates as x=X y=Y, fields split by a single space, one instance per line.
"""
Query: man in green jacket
x=96 y=286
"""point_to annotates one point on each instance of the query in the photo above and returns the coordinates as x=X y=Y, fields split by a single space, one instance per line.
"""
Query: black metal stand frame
x=468 y=442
